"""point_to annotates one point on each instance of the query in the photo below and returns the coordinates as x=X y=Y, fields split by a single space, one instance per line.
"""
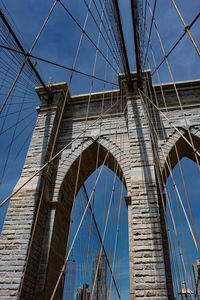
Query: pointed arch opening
x=95 y=159
x=184 y=150
x=182 y=208
x=86 y=163
x=103 y=238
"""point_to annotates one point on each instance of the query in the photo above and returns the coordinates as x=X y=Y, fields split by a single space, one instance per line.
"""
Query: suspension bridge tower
x=140 y=131
x=32 y=262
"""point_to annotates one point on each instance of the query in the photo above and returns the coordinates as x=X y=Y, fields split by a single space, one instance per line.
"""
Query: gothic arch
x=88 y=164
x=183 y=148
x=67 y=167
x=64 y=193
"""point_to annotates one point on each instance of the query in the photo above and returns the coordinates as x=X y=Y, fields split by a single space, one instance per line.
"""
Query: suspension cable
x=178 y=41
x=186 y=27
x=26 y=59
x=58 y=65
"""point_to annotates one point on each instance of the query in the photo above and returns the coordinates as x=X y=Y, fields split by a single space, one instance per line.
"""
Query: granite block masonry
x=123 y=131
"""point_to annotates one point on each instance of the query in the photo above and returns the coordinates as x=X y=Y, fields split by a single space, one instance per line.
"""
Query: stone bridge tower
x=122 y=132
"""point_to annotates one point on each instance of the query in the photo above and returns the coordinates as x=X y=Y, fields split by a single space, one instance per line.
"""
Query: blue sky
x=60 y=38
x=59 y=42
x=191 y=177
x=102 y=198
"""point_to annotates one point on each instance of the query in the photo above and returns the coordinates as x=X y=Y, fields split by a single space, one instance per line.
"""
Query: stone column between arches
x=147 y=263
x=148 y=272
x=17 y=231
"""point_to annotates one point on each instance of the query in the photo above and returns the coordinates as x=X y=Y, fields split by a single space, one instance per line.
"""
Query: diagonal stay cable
x=113 y=12
x=56 y=155
x=165 y=104
x=104 y=233
x=13 y=22
x=17 y=136
x=11 y=75
x=17 y=59
x=98 y=148
x=175 y=45
x=108 y=31
x=51 y=155
x=17 y=103
x=15 y=161
x=13 y=69
x=78 y=229
x=175 y=186
x=13 y=133
x=27 y=56
x=144 y=19
x=122 y=45
x=19 y=45
x=101 y=32
x=17 y=123
x=193 y=233
x=159 y=172
x=143 y=23
x=163 y=182
x=170 y=170
x=174 y=226
x=171 y=124
x=20 y=88
x=186 y=27
x=175 y=86
x=186 y=193
x=116 y=236
x=150 y=30
x=116 y=166
x=100 y=238
x=168 y=163
x=86 y=119
x=85 y=33
x=57 y=65
x=109 y=25
x=15 y=112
